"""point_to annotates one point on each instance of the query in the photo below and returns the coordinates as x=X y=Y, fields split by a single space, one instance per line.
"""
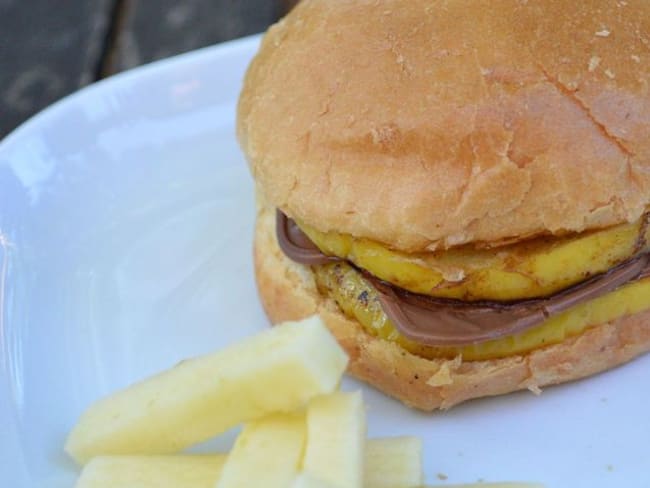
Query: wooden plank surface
x=50 y=48
x=155 y=30
x=47 y=50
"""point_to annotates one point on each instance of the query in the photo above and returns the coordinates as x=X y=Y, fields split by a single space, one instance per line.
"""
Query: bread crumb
x=610 y=74
x=441 y=378
x=443 y=375
x=636 y=58
x=593 y=63
x=442 y=476
x=535 y=389
x=603 y=33
x=456 y=362
x=385 y=135
x=453 y=275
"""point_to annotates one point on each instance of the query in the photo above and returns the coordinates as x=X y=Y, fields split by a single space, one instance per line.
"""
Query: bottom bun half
x=288 y=292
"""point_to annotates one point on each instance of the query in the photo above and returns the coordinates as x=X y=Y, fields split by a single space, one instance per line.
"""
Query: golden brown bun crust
x=423 y=123
x=288 y=292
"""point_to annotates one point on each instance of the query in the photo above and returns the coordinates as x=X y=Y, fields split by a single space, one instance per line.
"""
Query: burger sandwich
x=459 y=188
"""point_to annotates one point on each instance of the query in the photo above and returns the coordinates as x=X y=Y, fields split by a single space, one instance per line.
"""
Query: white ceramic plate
x=126 y=217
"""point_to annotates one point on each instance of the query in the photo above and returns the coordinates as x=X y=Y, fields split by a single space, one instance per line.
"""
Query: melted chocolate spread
x=447 y=322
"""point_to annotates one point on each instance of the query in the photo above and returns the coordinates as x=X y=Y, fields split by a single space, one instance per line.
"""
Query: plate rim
x=227 y=48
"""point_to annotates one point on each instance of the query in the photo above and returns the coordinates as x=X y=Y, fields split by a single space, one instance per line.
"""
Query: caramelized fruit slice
x=358 y=300
x=536 y=268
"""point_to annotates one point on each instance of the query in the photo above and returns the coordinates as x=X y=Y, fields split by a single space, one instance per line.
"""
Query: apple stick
x=279 y=370
x=303 y=480
x=267 y=453
x=151 y=472
x=383 y=469
x=393 y=462
x=336 y=429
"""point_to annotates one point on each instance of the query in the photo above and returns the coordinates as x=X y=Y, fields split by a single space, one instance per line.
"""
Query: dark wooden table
x=50 y=48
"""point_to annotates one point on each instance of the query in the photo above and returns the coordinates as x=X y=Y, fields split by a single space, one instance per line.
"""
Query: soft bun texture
x=288 y=292
x=426 y=123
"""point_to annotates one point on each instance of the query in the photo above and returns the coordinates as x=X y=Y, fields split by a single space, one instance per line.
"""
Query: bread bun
x=288 y=292
x=425 y=124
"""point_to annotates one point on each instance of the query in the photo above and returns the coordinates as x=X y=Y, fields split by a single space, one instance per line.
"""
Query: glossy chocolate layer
x=446 y=322
x=295 y=243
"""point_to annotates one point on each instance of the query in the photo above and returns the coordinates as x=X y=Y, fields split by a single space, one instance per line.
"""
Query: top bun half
x=427 y=124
